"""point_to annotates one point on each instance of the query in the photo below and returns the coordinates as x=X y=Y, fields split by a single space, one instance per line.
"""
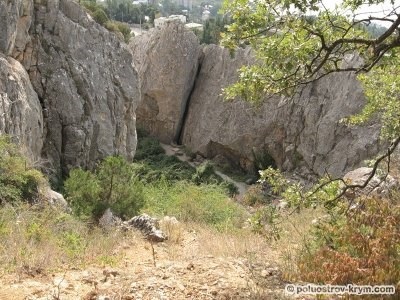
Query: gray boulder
x=56 y=199
x=376 y=186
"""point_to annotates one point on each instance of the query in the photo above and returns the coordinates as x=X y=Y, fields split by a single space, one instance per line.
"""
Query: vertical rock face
x=302 y=132
x=83 y=76
x=167 y=61
x=20 y=109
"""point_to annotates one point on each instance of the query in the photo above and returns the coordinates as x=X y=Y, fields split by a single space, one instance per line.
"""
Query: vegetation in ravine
x=38 y=237
x=154 y=183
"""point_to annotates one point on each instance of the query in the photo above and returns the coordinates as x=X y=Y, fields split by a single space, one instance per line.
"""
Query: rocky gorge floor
x=171 y=150
x=192 y=268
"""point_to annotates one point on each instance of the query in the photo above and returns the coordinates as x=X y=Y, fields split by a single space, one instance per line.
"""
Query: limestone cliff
x=20 y=109
x=304 y=133
x=82 y=74
x=167 y=62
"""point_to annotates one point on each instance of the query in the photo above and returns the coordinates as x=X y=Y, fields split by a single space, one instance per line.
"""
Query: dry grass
x=295 y=230
x=189 y=240
x=240 y=243
x=38 y=240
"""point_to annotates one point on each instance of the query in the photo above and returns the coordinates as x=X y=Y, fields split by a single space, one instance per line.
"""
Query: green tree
x=113 y=185
x=293 y=50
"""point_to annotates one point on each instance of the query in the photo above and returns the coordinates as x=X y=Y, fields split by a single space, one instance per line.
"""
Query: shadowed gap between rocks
x=186 y=104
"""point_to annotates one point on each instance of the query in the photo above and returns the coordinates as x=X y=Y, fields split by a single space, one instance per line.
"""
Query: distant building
x=194 y=26
x=137 y=2
x=159 y=22
x=205 y=15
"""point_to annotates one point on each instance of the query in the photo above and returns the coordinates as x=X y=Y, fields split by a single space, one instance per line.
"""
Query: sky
x=380 y=8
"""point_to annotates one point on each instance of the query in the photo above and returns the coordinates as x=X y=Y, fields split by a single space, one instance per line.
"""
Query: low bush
x=36 y=239
x=206 y=204
x=148 y=147
x=18 y=180
x=205 y=173
x=100 y=16
x=152 y=164
x=360 y=247
x=125 y=30
x=113 y=185
x=255 y=196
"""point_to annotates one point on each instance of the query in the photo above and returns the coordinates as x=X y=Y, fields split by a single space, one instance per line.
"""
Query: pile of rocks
x=148 y=226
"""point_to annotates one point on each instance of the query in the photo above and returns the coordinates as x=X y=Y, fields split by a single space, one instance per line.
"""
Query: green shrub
x=82 y=190
x=205 y=173
x=18 y=180
x=163 y=167
x=111 y=26
x=207 y=204
x=91 y=6
x=255 y=196
x=113 y=185
x=119 y=28
x=100 y=16
x=153 y=165
x=125 y=30
x=265 y=222
x=148 y=147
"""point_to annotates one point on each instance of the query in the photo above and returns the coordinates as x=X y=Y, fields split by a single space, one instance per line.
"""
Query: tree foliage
x=18 y=180
x=299 y=41
x=113 y=185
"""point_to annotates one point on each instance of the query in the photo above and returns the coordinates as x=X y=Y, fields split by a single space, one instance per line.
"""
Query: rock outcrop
x=304 y=133
x=20 y=109
x=83 y=76
x=167 y=60
x=147 y=225
x=376 y=186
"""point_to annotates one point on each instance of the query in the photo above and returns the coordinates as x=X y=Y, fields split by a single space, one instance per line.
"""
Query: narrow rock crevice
x=186 y=104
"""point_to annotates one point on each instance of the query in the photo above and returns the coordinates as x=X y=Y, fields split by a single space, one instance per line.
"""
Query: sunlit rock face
x=304 y=133
x=167 y=61
x=83 y=76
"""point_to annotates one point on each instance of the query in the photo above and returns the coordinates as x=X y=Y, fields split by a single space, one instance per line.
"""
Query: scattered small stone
x=60 y=282
x=113 y=273
x=109 y=219
x=264 y=273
